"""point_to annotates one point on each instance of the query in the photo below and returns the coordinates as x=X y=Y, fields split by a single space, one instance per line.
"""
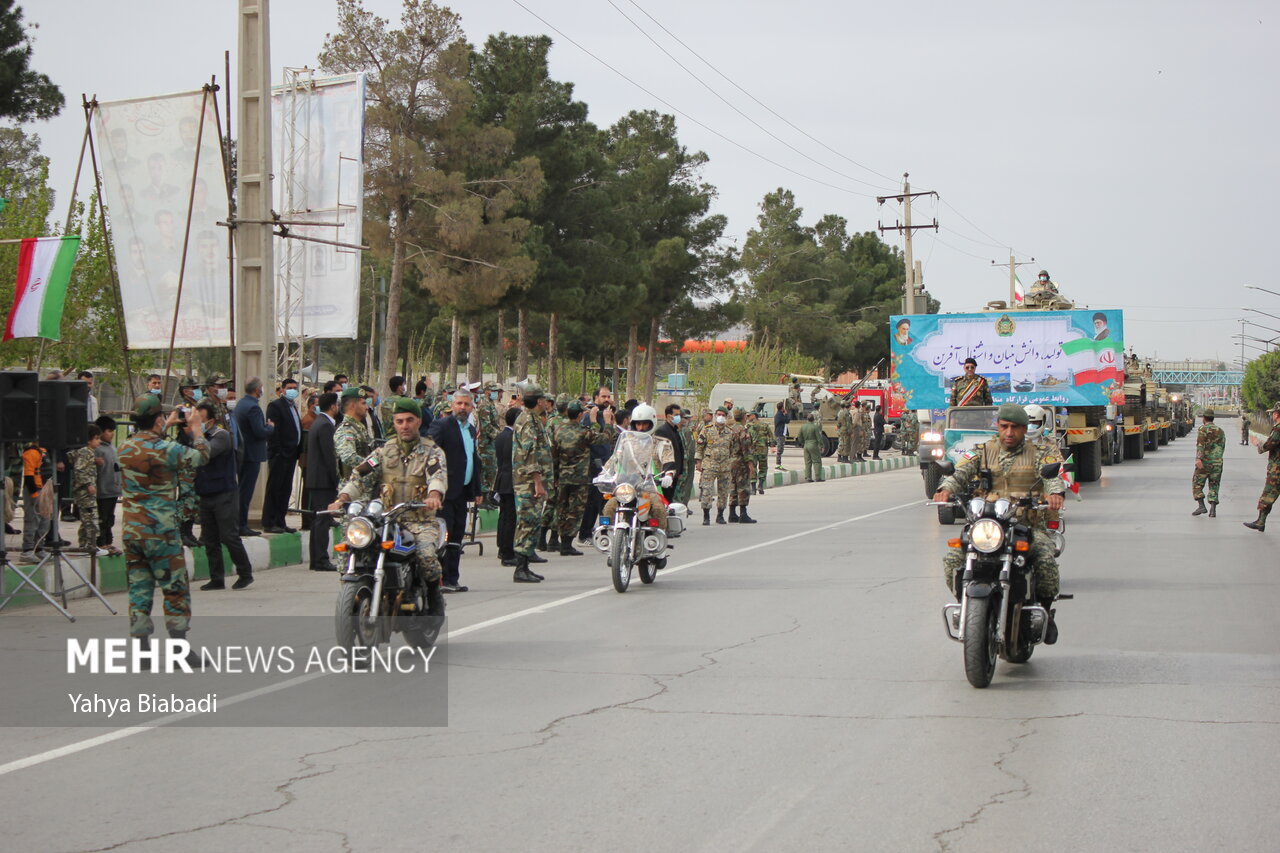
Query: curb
x=846 y=469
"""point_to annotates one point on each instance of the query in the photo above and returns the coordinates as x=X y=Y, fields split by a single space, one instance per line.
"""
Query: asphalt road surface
x=783 y=686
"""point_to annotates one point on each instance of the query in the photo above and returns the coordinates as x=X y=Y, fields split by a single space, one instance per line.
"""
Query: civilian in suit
x=284 y=446
x=322 y=479
x=669 y=429
x=877 y=426
x=254 y=432
x=503 y=486
x=457 y=438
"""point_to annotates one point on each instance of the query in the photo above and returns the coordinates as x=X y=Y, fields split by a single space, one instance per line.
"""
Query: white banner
x=318 y=163
x=146 y=148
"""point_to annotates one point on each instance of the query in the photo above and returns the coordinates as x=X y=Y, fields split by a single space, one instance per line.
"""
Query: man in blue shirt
x=457 y=439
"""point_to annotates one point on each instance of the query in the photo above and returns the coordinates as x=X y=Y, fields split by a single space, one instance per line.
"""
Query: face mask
x=222 y=393
x=719 y=419
x=291 y=393
x=155 y=391
x=315 y=409
x=493 y=395
x=675 y=420
x=344 y=386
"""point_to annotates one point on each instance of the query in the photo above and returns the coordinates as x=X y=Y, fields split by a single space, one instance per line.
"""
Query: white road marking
x=120 y=734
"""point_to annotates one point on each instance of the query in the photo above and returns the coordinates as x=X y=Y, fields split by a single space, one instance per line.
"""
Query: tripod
x=55 y=559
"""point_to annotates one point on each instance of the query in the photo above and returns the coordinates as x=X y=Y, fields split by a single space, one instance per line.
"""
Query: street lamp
x=1263 y=289
x=1260 y=326
x=1264 y=313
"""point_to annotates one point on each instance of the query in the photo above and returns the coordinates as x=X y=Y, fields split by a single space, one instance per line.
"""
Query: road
x=784 y=686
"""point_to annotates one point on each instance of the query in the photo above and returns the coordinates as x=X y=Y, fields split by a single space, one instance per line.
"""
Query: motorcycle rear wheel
x=423 y=629
x=980 y=641
x=618 y=562
x=648 y=571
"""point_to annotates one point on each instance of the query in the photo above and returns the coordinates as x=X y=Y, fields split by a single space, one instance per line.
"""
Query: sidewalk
x=270 y=551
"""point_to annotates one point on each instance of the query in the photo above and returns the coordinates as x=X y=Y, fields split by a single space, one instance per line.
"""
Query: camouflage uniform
x=219 y=406
x=407 y=472
x=352 y=444
x=149 y=465
x=844 y=423
x=1014 y=473
x=1271 y=490
x=761 y=440
x=445 y=404
x=909 y=433
x=981 y=391
x=793 y=401
x=858 y=430
x=188 y=500
x=551 y=512
x=684 y=486
x=387 y=414
x=740 y=471
x=488 y=427
x=571 y=444
x=84 y=473
x=1211 y=441
x=530 y=454
x=714 y=451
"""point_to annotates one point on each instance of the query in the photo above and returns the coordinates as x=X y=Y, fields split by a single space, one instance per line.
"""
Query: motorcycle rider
x=1014 y=463
x=640 y=448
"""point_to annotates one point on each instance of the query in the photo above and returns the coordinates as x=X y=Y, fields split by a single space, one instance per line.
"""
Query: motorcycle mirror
x=947 y=467
x=1051 y=470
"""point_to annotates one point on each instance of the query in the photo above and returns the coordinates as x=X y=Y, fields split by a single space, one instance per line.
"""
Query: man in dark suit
x=671 y=433
x=284 y=445
x=457 y=439
x=322 y=480
x=254 y=432
x=505 y=489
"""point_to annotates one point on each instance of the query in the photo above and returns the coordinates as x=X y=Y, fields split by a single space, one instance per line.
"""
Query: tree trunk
x=615 y=386
x=455 y=346
x=633 y=344
x=475 y=352
x=522 y=344
x=391 y=331
x=500 y=360
x=553 y=354
x=651 y=363
x=443 y=378
x=584 y=376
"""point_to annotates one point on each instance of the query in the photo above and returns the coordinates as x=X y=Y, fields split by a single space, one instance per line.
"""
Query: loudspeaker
x=18 y=393
x=64 y=414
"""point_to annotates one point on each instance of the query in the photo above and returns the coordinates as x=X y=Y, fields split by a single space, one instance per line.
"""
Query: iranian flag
x=1019 y=292
x=1094 y=361
x=44 y=269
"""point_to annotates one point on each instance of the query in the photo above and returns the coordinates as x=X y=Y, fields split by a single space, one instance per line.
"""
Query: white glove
x=666 y=480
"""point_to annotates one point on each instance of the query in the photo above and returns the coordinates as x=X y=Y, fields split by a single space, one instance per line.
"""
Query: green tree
x=25 y=93
x=1261 y=386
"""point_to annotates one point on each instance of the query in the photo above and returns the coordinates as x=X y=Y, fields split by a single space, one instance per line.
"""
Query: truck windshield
x=972 y=419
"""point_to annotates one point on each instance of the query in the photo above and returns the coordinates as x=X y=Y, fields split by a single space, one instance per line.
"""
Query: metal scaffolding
x=291 y=278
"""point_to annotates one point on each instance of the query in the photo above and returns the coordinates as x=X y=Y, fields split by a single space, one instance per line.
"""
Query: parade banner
x=1053 y=358
x=146 y=149
x=317 y=155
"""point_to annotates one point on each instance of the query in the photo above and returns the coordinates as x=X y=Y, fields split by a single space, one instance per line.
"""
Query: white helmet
x=1037 y=418
x=645 y=412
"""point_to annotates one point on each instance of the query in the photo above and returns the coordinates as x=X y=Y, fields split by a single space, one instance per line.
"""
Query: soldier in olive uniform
x=844 y=423
x=215 y=391
x=531 y=474
x=971 y=389
x=571 y=443
x=684 y=485
x=352 y=443
x=761 y=440
x=741 y=470
x=1271 y=489
x=713 y=457
x=909 y=432
x=1211 y=441
x=386 y=409
x=445 y=404
x=793 y=399
x=409 y=467
x=549 y=532
x=812 y=440
x=858 y=432
x=149 y=465
x=1014 y=463
x=84 y=488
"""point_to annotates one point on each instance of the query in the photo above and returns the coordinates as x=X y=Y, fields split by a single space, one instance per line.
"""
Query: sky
x=1127 y=147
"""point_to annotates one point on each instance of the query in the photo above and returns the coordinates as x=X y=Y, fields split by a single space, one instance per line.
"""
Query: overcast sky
x=1130 y=148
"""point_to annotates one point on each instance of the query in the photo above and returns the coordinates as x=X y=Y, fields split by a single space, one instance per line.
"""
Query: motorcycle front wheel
x=351 y=619
x=980 y=641
x=618 y=559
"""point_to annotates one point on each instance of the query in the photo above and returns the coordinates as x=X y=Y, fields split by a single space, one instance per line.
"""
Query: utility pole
x=914 y=299
x=1013 y=279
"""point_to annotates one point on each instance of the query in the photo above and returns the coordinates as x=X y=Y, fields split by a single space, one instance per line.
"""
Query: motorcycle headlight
x=625 y=493
x=986 y=535
x=359 y=533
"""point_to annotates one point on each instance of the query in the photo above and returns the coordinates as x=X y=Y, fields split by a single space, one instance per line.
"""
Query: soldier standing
x=741 y=470
x=712 y=459
x=1271 y=489
x=684 y=486
x=84 y=489
x=149 y=464
x=1244 y=427
x=215 y=391
x=844 y=423
x=445 y=403
x=858 y=438
x=549 y=533
x=352 y=443
x=1210 y=442
x=793 y=399
x=909 y=432
x=812 y=439
x=971 y=389
x=487 y=429
x=572 y=440
x=761 y=440
x=531 y=473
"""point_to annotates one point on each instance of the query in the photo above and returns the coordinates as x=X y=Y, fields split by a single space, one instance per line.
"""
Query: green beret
x=1013 y=413
x=722 y=411
x=353 y=391
x=148 y=404
x=408 y=405
x=575 y=408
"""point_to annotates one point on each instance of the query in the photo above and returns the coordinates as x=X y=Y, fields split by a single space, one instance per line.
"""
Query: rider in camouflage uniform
x=571 y=443
x=531 y=474
x=84 y=488
x=741 y=470
x=1211 y=441
x=1271 y=489
x=149 y=464
x=712 y=459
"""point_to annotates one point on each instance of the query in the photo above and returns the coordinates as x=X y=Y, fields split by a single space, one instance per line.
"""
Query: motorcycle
x=632 y=537
x=997 y=614
x=381 y=592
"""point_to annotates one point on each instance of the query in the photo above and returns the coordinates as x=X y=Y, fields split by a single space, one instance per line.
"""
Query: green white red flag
x=44 y=271
x=1094 y=361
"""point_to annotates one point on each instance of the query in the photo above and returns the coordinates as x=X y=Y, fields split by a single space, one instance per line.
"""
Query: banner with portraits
x=146 y=150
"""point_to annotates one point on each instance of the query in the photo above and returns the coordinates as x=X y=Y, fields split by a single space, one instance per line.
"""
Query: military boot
x=194 y=658
x=1051 y=630
x=522 y=573
x=1261 y=524
x=720 y=517
x=567 y=549
x=553 y=540
x=542 y=539
x=706 y=516
x=189 y=534
x=733 y=514
x=1213 y=509
x=743 y=518
x=1200 y=509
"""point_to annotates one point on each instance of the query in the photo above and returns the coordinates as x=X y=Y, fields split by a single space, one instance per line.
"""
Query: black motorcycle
x=997 y=614
x=381 y=592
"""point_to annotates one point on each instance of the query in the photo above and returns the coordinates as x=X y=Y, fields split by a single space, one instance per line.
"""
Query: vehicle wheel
x=618 y=560
x=351 y=620
x=980 y=640
x=1117 y=448
x=1133 y=446
x=946 y=515
x=1162 y=435
x=423 y=629
x=1088 y=465
x=829 y=445
x=1151 y=441
x=932 y=477
x=1104 y=449
x=648 y=571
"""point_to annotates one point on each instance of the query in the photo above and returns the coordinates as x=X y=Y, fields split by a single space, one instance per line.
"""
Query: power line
x=681 y=112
